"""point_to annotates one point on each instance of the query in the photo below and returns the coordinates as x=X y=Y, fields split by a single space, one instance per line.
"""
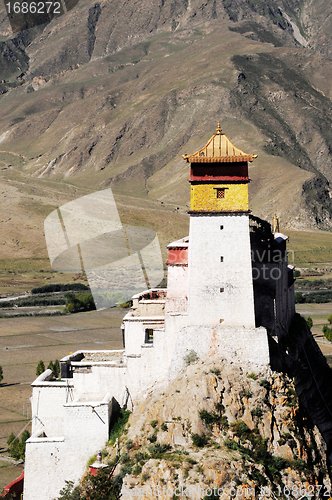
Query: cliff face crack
x=94 y=13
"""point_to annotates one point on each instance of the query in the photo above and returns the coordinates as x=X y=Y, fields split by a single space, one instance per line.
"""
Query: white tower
x=220 y=276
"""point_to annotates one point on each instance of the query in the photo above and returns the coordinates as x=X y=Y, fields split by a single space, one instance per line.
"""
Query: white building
x=212 y=305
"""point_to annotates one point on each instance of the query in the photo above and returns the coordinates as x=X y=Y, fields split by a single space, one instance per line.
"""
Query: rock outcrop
x=218 y=430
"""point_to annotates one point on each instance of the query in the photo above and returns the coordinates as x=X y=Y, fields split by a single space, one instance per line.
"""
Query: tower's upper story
x=219 y=176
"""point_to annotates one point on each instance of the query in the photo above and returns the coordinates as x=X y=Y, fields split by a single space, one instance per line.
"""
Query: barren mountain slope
x=112 y=94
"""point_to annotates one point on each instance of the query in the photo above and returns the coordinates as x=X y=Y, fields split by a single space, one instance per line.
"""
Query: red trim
x=218 y=212
x=15 y=486
x=218 y=180
x=177 y=256
x=219 y=171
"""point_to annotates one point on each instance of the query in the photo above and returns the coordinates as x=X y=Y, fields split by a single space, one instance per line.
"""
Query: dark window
x=221 y=259
x=221 y=320
x=221 y=228
x=149 y=335
x=221 y=193
x=221 y=290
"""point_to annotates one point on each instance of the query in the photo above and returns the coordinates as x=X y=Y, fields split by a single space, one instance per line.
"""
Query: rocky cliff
x=219 y=432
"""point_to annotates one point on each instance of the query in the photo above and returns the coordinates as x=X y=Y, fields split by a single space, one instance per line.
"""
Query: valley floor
x=27 y=340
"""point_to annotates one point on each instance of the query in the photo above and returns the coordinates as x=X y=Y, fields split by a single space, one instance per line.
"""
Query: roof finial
x=218 y=129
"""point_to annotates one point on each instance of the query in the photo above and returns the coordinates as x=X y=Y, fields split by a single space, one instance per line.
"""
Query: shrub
x=327 y=332
x=199 y=440
x=129 y=444
x=17 y=448
x=264 y=383
x=252 y=375
x=119 y=425
x=125 y=458
x=56 y=367
x=164 y=427
x=137 y=470
x=246 y=393
x=103 y=486
x=257 y=412
x=209 y=418
x=299 y=298
x=80 y=302
x=158 y=448
x=329 y=318
x=241 y=429
x=231 y=444
x=153 y=438
x=69 y=492
x=154 y=423
x=40 y=368
x=190 y=358
x=310 y=322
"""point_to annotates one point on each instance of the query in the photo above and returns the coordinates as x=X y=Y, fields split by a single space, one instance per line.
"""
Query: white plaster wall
x=173 y=324
x=45 y=468
x=247 y=346
x=134 y=335
x=145 y=370
x=47 y=403
x=151 y=307
x=177 y=281
x=177 y=289
x=135 y=331
x=103 y=379
x=86 y=431
x=207 y=274
x=151 y=366
x=52 y=460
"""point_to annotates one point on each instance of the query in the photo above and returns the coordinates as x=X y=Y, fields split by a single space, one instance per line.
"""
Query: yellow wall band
x=204 y=197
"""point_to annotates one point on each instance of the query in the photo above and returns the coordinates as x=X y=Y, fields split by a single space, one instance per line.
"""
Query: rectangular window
x=221 y=290
x=221 y=259
x=221 y=193
x=221 y=228
x=149 y=335
x=221 y=320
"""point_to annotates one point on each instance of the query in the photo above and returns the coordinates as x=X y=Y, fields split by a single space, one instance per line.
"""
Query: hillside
x=219 y=428
x=111 y=95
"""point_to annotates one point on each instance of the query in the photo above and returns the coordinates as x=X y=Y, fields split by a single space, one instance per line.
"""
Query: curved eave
x=218 y=159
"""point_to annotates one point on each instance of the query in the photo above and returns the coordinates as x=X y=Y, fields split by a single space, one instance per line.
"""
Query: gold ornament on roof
x=219 y=129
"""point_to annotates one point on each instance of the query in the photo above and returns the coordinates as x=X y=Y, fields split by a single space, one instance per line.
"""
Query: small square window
x=221 y=290
x=221 y=193
x=221 y=228
x=221 y=321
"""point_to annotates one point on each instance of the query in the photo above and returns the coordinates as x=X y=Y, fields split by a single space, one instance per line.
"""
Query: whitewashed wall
x=207 y=274
x=246 y=346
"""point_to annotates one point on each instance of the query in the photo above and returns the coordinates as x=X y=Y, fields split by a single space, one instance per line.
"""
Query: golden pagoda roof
x=219 y=149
